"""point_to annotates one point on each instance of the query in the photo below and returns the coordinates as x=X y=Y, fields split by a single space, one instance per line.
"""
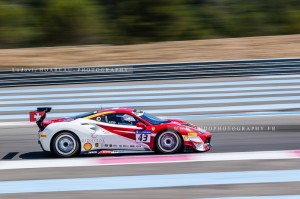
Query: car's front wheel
x=65 y=144
x=168 y=142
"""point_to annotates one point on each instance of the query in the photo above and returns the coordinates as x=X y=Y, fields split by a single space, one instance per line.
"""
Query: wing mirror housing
x=141 y=125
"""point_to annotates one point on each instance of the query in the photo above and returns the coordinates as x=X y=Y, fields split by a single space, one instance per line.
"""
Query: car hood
x=181 y=123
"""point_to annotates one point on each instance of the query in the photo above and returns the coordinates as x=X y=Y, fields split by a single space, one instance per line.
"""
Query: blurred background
x=188 y=47
x=35 y=23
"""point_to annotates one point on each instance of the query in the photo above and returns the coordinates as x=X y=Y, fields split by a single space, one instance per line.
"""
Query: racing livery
x=117 y=130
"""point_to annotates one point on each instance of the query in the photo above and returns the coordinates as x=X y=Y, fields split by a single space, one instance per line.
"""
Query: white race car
x=117 y=130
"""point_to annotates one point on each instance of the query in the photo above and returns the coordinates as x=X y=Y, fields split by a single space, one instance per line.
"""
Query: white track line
x=259 y=197
x=149 y=159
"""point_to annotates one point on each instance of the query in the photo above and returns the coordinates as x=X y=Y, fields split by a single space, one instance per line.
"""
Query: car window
x=152 y=119
x=121 y=119
x=101 y=118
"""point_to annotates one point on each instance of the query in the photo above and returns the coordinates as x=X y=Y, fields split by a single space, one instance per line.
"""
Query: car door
x=121 y=132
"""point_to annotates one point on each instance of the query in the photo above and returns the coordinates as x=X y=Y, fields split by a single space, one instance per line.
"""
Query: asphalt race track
x=270 y=103
x=20 y=142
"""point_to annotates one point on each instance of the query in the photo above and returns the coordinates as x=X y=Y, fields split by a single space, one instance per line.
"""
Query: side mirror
x=141 y=125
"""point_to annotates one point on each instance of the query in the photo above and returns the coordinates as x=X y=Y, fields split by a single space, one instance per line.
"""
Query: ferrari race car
x=117 y=130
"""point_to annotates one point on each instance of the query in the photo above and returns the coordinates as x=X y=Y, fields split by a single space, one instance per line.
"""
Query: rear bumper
x=44 y=142
x=42 y=146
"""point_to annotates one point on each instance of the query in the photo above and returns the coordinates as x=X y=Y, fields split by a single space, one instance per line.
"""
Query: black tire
x=65 y=145
x=168 y=142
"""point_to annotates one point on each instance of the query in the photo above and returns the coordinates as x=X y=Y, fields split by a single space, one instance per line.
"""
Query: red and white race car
x=117 y=130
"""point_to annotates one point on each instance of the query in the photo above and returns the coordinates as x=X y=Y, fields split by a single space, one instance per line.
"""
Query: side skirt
x=105 y=151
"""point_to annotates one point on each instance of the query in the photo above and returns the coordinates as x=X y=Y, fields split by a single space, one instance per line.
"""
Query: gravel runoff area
x=284 y=46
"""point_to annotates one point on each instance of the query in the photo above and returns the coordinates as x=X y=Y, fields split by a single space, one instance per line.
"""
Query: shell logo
x=87 y=146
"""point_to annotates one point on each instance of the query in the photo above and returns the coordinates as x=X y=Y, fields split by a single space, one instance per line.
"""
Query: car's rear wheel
x=168 y=142
x=65 y=144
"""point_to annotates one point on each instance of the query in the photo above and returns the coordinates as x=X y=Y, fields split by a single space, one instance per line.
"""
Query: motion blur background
x=99 y=33
x=28 y=23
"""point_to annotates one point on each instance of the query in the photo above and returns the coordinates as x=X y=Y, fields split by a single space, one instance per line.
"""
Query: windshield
x=82 y=115
x=152 y=119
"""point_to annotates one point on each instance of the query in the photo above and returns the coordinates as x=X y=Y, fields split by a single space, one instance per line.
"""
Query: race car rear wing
x=39 y=115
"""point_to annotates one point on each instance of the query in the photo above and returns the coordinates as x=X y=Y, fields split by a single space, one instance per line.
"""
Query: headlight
x=202 y=131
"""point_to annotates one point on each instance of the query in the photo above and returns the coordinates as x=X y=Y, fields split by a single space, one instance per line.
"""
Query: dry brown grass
x=285 y=46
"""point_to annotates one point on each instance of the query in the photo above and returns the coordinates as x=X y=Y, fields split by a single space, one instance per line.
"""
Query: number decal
x=143 y=136
x=140 y=137
x=146 y=137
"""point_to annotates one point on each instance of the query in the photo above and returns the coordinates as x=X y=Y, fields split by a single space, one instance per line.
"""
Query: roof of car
x=117 y=110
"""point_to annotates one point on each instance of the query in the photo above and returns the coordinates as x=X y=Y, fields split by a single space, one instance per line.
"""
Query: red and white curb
x=148 y=159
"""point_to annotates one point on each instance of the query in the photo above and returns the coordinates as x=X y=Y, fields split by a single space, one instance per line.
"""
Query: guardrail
x=164 y=71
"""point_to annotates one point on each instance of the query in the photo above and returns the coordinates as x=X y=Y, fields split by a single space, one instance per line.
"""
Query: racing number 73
x=143 y=136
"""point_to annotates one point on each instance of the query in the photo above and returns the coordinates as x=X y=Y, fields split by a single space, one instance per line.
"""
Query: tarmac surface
x=280 y=131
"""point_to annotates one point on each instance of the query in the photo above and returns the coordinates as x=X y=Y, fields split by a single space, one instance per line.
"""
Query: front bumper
x=202 y=146
x=198 y=143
